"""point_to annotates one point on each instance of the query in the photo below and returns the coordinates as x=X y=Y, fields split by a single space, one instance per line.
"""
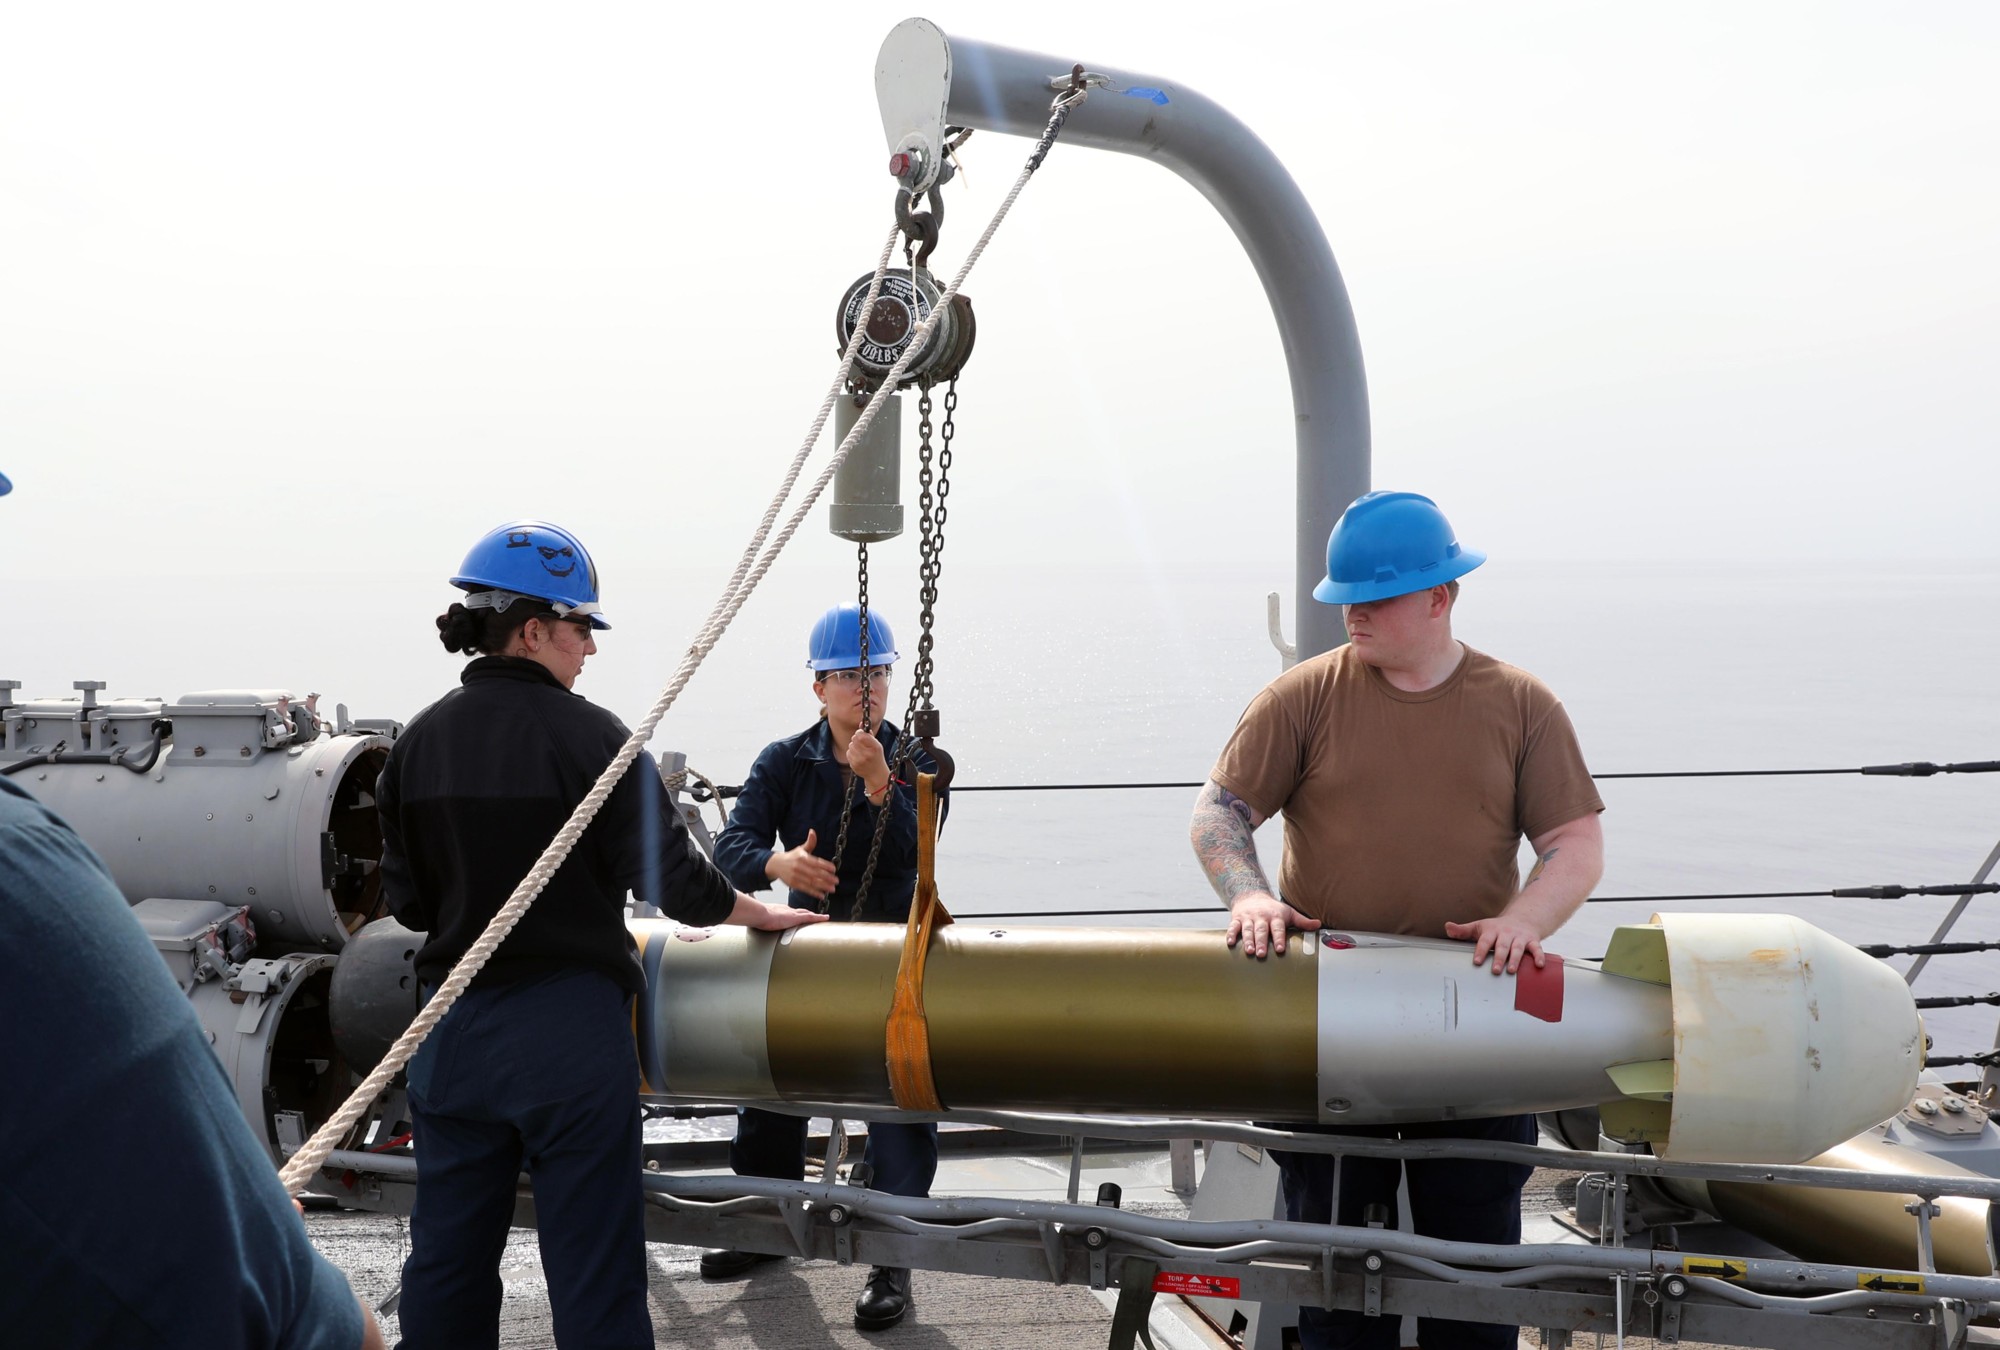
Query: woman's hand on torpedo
x=802 y=869
x=762 y=914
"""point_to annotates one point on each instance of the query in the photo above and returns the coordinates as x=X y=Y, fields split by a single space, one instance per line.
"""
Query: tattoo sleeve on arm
x=1540 y=863
x=1221 y=834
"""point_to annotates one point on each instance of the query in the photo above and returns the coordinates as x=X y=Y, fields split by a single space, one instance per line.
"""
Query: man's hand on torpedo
x=1508 y=939
x=1259 y=919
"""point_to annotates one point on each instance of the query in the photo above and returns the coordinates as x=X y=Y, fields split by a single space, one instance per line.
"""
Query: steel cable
x=1842 y=893
x=1912 y=769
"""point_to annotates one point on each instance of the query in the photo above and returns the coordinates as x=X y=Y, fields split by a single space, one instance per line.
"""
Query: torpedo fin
x=1651 y=1080
x=1638 y=952
x=1635 y=1120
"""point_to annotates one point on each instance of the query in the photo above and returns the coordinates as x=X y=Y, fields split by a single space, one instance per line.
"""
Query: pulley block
x=906 y=300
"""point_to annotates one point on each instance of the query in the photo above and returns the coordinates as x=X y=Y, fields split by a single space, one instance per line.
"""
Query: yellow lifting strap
x=909 y=1034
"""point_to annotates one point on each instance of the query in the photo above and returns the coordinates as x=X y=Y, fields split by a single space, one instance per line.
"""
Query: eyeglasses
x=851 y=678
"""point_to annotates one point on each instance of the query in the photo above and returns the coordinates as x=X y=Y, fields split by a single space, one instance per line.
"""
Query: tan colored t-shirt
x=1406 y=810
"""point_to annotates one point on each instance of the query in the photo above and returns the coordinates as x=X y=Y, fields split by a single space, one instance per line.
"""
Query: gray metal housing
x=247 y=802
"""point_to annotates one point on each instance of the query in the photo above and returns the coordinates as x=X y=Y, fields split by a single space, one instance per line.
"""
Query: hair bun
x=458 y=629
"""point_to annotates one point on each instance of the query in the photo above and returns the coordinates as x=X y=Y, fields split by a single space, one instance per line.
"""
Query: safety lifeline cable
x=742 y=582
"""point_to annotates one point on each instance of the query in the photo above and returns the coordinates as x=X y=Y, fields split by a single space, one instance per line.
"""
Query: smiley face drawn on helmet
x=557 y=562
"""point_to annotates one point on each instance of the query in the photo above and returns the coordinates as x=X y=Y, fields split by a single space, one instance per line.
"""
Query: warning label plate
x=1197 y=1286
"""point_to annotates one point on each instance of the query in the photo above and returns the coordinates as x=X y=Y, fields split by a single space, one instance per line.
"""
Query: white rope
x=300 y=1167
x=678 y=780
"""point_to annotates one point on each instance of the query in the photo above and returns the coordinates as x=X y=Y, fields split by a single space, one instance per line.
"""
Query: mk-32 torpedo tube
x=242 y=828
x=1724 y=1037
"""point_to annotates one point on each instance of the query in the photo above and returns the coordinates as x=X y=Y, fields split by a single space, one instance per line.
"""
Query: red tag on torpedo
x=1199 y=1286
x=1538 y=990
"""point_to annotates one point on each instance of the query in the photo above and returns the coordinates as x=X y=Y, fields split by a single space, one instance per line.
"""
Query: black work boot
x=728 y=1263
x=885 y=1299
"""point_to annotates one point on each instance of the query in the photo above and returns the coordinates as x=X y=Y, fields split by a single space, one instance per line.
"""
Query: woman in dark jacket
x=786 y=826
x=533 y=1068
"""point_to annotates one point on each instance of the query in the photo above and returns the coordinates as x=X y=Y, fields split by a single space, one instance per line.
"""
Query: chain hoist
x=867 y=507
x=921 y=720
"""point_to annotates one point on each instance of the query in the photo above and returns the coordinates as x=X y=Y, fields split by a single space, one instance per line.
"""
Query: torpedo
x=1743 y=1038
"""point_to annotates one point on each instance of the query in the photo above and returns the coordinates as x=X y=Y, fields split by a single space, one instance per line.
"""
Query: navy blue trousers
x=768 y=1144
x=1459 y=1199
x=537 y=1076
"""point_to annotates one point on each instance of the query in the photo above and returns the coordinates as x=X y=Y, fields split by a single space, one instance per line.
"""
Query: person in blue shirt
x=112 y=1086
x=786 y=826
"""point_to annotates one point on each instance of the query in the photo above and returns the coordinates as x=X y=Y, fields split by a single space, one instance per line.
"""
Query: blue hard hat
x=535 y=560
x=5 y=486
x=1387 y=544
x=835 y=643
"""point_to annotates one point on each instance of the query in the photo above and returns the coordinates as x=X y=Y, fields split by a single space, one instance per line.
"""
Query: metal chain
x=867 y=696
x=926 y=552
x=945 y=432
x=930 y=549
x=883 y=813
x=867 y=685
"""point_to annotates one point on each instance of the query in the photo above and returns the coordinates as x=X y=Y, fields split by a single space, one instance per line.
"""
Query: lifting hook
x=920 y=228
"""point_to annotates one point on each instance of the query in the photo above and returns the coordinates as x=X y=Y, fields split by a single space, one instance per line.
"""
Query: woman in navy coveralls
x=785 y=827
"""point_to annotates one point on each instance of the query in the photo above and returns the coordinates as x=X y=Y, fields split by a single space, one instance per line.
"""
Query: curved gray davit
x=925 y=80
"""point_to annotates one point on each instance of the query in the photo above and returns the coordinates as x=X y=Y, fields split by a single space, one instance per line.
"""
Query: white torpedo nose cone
x=1787 y=1040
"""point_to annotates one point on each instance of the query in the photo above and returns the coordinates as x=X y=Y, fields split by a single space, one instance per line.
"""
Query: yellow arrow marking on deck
x=1714 y=1266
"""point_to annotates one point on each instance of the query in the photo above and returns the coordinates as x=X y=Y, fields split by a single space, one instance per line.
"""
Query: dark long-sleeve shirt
x=475 y=789
x=796 y=785
x=102 y=1052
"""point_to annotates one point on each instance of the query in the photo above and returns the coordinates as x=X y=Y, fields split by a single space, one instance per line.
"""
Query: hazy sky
x=296 y=303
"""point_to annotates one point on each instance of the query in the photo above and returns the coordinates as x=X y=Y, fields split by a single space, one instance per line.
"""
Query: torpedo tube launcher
x=242 y=828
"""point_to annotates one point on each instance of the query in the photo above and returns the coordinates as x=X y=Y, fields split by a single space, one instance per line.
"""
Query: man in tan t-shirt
x=1408 y=767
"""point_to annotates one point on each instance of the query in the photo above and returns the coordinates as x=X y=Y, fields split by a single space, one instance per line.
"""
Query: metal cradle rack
x=1605 y=1288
